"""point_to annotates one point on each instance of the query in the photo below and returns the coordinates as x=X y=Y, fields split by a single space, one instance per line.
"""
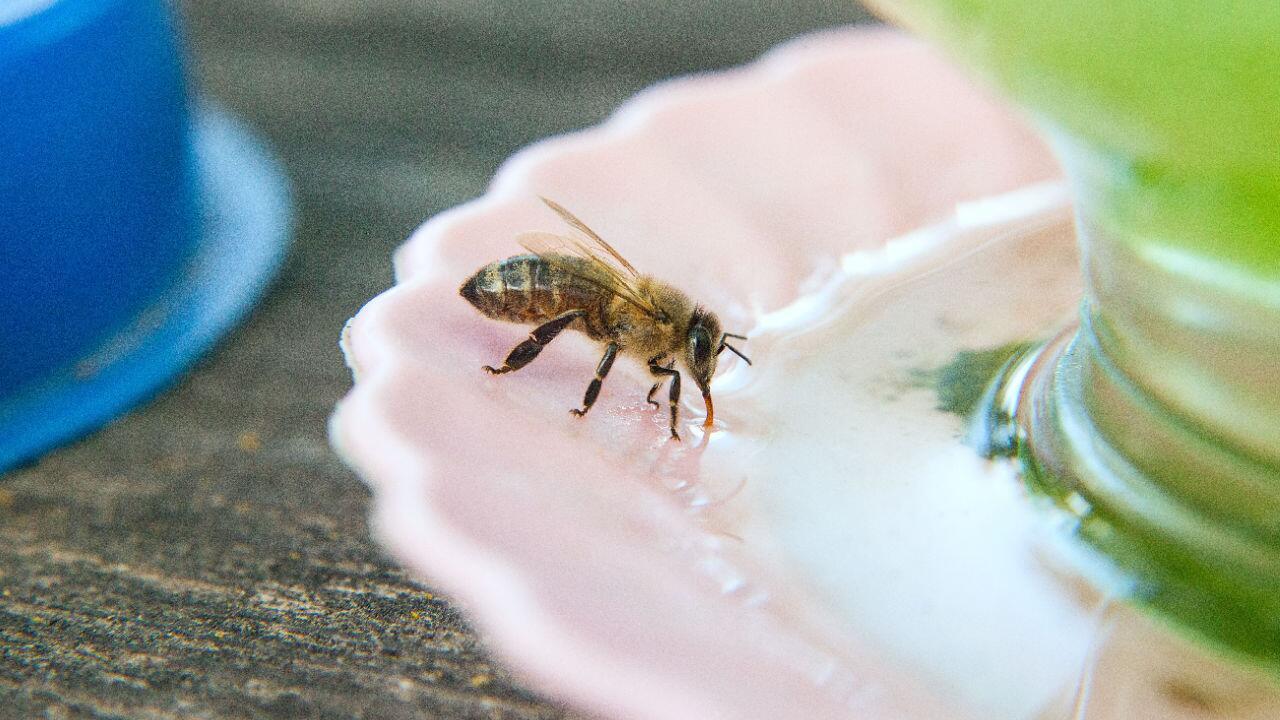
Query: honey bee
x=584 y=284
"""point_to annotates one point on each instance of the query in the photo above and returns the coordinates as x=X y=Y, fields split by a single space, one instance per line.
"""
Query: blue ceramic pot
x=97 y=193
x=116 y=205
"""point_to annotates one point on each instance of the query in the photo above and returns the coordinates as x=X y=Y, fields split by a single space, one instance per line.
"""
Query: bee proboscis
x=583 y=284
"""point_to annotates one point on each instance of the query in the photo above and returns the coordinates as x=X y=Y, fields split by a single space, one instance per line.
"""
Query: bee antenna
x=735 y=335
x=726 y=346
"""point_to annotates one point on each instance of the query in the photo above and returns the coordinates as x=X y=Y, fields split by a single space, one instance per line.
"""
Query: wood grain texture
x=208 y=556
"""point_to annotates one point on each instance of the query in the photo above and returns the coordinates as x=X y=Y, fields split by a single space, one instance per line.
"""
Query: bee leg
x=525 y=352
x=649 y=398
x=674 y=395
x=593 y=390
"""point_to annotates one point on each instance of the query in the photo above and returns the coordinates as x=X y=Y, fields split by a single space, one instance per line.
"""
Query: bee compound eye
x=700 y=344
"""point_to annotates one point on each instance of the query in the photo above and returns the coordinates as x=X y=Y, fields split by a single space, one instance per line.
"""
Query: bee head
x=702 y=348
x=704 y=344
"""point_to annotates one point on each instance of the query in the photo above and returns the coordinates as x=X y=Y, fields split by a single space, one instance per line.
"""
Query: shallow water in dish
x=852 y=483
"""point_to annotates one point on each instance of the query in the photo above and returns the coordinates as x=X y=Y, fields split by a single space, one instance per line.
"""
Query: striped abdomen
x=529 y=290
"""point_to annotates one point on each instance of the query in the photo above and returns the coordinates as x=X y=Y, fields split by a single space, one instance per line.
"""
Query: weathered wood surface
x=207 y=556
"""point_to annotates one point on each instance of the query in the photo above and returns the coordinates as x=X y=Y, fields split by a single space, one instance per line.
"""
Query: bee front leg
x=593 y=390
x=674 y=395
x=525 y=352
x=649 y=398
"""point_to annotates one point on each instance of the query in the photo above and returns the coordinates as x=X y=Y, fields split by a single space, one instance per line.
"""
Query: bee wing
x=545 y=243
x=605 y=275
x=577 y=224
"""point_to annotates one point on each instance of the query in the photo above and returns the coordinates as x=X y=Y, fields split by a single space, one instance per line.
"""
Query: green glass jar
x=1157 y=428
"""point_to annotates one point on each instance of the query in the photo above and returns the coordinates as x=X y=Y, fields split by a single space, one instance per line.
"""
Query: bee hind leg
x=649 y=398
x=525 y=352
x=674 y=395
x=593 y=390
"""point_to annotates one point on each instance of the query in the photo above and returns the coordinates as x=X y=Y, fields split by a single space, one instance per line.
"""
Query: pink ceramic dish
x=585 y=547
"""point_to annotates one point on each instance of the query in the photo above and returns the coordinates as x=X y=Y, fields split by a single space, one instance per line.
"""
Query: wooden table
x=207 y=556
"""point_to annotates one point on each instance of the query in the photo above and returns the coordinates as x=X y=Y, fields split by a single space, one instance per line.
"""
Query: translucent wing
x=573 y=222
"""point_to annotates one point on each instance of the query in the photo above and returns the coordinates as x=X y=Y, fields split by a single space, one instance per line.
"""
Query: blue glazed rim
x=245 y=228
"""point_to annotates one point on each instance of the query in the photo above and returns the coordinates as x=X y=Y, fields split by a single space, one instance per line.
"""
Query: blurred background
x=208 y=554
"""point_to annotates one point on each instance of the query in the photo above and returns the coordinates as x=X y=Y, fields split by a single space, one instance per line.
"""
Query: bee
x=582 y=283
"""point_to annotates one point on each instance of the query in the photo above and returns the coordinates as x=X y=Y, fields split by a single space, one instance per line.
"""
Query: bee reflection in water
x=582 y=283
